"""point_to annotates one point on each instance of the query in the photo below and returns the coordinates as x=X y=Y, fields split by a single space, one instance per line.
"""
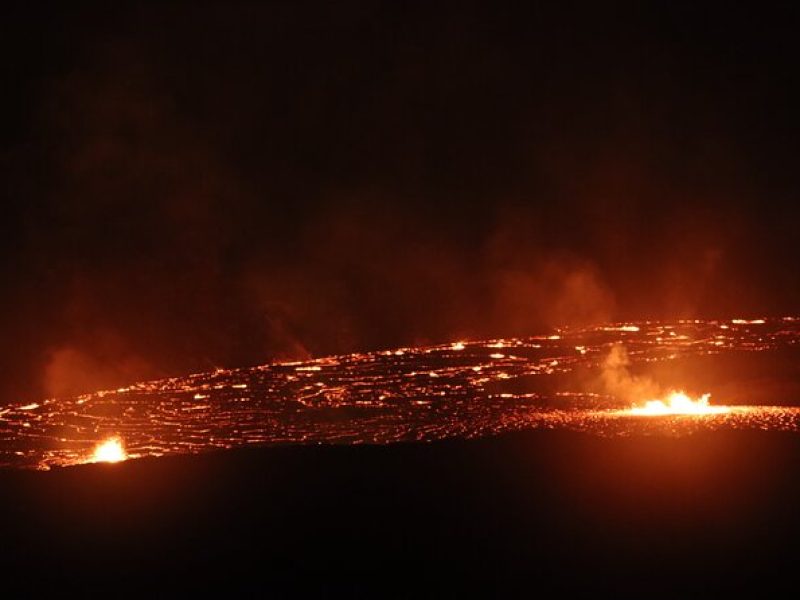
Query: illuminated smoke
x=621 y=383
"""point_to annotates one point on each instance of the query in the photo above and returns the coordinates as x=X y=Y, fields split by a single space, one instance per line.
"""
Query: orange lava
x=678 y=403
x=110 y=451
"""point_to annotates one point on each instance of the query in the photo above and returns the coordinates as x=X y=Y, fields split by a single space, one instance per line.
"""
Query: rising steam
x=645 y=396
x=621 y=383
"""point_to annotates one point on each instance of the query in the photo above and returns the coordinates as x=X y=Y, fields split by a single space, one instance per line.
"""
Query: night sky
x=201 y=185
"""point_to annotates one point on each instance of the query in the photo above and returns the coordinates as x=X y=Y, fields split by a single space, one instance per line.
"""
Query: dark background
x=199 y=185
x=536 y=514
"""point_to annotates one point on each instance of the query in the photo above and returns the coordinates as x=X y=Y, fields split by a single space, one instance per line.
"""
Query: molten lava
x=678 y=403
x=110 y=451
x=459 y=389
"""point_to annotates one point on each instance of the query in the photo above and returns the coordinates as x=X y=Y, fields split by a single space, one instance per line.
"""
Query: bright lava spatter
x=463 y=389
x=678 y=403
x=109 y=451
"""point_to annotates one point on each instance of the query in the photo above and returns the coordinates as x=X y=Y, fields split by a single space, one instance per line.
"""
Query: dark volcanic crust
x=541 y=511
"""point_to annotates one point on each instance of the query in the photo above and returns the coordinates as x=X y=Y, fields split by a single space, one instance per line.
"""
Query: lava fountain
x=110 y=451
x=678 y=403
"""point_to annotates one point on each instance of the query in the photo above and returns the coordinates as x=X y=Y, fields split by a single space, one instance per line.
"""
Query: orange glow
x=462 y=388
x=110 y=451
x=678 y=403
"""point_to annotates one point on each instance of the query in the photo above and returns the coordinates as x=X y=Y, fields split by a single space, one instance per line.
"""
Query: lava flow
x=465 y=389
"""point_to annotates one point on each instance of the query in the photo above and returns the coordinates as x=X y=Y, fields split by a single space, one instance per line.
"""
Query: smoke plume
x=621 y=383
